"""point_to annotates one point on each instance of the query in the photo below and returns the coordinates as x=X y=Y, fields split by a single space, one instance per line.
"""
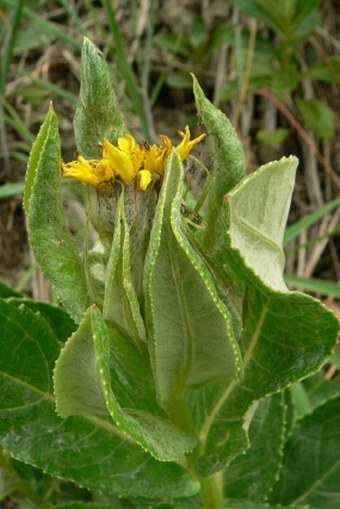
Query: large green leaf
x=138 y=415
x=191 y=338
x=258 y=209
x=89 y=450
x=47 y=229
x=286 y=337
x=59 y=321
x=97 y=115
x=311 y=469
x=251 y=475
x=89 y=379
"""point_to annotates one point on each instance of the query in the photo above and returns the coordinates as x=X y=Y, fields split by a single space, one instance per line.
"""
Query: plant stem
x=211 y=491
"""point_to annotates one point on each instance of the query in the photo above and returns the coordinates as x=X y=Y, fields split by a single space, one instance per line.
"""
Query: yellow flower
x=186 y=145
x=128 y=161
x=91 y=172
x=155 y=156
x=120 y=161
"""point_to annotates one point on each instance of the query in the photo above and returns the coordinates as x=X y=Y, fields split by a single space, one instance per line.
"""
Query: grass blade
x=294 y=230
x=126 y=70
x=11 y=189
x=319 y=286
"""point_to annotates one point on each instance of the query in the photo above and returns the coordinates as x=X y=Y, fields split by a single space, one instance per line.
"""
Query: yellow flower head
x=128 y=161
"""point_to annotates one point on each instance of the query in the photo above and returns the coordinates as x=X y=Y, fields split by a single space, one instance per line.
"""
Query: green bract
x=171 y=385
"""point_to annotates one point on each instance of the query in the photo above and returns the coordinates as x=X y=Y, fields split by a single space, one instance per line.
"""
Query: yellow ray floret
x=128 y=161
x=92 y=172
x=186 y=145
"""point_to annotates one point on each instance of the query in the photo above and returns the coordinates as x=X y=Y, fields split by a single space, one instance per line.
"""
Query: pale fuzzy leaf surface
x=191 y=337
x=228 y=170
x=252 y=474
x=286 y=338
x=97 y=115
x=120 y=303
x=229 y=164
x=258 y=209
x=77 y=381
x=50 y=240
x=88 y=379
x=311 y=468
x=140 y=417
x=34 y=158
x=88 y=450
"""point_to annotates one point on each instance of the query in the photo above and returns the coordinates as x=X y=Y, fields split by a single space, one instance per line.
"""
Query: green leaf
x=142 y=419
x=287 y=336
x=229 y=166
x=60 y=322
x=314 y=441
x=191 y=337
x=47 y=230
x=258 y=210
x=89 y=379
x=97 y=115
x=241 y=503
x=77 y=381
x=88 y=450
x=6 y=291
x=300 y=400
x=326 y=69
x=324 y=391
x=272 y=138
x=121 y=304
x=318 y=117
x=174 y=44
x=252 y=475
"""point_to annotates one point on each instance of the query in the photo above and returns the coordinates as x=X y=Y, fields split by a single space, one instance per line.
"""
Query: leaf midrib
x=50 y=397
x=251 y=346
x=316 y=484
x=258 y=233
